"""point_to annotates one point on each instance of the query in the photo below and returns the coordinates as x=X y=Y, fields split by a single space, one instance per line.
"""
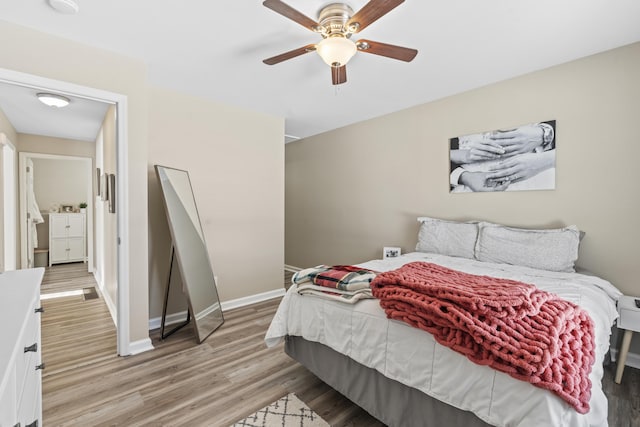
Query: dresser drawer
x=28 y=401
x=8 y=401
x=19 y=296
x=629 y=314
x=26 y=361
x=629 y=319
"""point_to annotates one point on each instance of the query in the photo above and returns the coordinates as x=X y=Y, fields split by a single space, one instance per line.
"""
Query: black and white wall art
x=513 y=159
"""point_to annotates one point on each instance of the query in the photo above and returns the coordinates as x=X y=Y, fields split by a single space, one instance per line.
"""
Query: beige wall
x=354 y=190
x=7 y=128
x=237 y=169
x=59 y=182
x=108 y=247
x=235 y=160
x=56 y=58
x=58 y=146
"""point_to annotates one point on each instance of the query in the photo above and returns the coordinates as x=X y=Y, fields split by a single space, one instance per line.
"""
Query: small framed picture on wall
x=112 y=193
x=98 y=179
x=104 y=190
x=391 y=252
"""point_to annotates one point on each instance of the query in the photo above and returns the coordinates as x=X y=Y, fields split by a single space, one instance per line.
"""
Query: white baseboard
x=171 y=319
x=633 y=359
x=135 y=347
x=155 y=322
x=291 y=268
x=252 y=299
x=107 y=299
x=139 y=346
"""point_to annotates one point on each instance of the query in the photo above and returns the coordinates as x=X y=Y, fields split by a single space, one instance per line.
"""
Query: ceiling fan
x=336 y=23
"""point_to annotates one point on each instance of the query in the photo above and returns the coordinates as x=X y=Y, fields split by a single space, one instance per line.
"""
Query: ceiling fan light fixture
x=53 y=100
x=336 y=51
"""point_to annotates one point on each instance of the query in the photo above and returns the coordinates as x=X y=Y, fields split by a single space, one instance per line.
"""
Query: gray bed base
x=389 y=401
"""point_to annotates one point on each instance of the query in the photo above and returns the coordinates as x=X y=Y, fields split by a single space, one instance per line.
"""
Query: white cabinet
x=67 y=237
x=20 y=349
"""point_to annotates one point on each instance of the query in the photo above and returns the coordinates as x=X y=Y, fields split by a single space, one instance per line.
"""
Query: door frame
x=9 y=181
x=122 y=191
x=88 y=164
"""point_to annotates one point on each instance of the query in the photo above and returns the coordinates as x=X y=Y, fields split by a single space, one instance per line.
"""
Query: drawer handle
x=39 y=310
x=33 y=424
x=33 y=347
x=40 y=367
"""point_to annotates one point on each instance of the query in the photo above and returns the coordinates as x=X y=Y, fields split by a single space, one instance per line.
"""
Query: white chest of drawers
x=67 y=237
x=20 y=349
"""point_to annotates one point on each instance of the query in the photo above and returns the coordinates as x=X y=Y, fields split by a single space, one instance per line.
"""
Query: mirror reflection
x=191 y=252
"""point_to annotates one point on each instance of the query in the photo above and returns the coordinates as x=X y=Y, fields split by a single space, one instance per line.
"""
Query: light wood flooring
x=229 y=376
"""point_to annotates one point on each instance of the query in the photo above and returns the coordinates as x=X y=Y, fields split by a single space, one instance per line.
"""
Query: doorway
x=57 y=165
x=121 y=152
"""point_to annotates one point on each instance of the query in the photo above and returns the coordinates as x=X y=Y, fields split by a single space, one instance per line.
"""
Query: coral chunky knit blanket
x=513 y=327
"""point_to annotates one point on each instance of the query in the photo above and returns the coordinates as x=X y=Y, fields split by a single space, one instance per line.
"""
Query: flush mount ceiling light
x=68 y=7
x=53 y=100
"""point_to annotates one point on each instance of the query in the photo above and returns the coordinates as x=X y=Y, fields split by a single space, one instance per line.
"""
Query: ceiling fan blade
x=388 y=50
x=289 y=12
x=291 y=54
x=371 y=12
x=339 y=75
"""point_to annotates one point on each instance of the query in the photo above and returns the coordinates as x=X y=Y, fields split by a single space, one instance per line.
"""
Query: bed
x=403 y=377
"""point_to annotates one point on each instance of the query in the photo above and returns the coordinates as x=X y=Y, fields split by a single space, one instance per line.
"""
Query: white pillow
x=553 y=250
x=450 y=238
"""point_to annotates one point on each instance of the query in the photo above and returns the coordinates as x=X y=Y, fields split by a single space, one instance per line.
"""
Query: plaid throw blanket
x=344 y=283
x=513 y=327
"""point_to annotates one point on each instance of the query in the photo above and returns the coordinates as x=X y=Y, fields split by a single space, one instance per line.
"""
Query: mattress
x=412 y=357
x=389 y=401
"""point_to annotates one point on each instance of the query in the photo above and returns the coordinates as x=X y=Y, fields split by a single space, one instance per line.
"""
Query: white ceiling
x=214 y=49
x=80 y=120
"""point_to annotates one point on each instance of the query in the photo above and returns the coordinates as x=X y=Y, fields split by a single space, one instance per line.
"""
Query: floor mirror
x=189 y=253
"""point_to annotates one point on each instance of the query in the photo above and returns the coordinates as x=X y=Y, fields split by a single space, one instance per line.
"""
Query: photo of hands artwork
x=516 y=159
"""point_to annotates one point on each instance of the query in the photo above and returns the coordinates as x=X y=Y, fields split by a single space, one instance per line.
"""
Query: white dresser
x=67 y=237
x=20 y=357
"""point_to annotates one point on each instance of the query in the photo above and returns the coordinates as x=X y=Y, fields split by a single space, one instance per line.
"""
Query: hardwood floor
x=75 y=332
x=229 y=376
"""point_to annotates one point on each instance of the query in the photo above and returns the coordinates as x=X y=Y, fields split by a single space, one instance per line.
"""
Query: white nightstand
x=629 y=320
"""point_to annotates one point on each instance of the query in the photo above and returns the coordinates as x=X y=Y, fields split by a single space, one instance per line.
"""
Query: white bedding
x=412 y=357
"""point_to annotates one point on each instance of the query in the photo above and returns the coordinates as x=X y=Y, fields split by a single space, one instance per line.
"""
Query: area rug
x=285 y=412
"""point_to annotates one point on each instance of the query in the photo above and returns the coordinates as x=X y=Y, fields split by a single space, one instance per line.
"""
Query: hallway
x=78 y=324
